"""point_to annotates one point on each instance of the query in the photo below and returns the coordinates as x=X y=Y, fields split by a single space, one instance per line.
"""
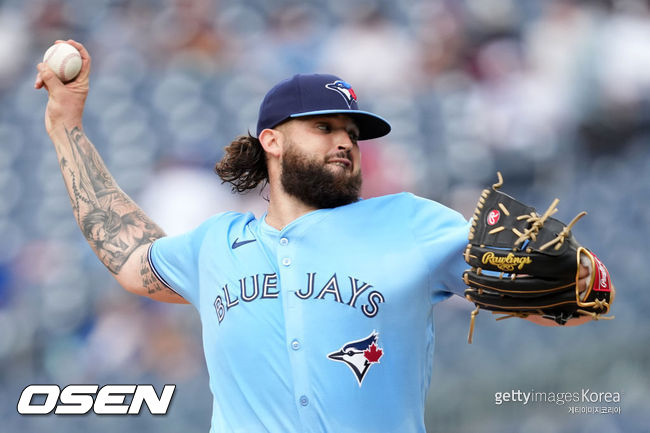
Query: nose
x=343 y=141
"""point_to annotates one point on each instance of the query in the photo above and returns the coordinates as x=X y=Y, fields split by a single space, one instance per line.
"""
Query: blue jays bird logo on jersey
x=359 y=355
x=344 y=89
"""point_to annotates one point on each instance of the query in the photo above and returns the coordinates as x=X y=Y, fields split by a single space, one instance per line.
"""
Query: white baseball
x=64 y=60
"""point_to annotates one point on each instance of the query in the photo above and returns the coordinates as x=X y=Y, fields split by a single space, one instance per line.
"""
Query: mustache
x=342 y=154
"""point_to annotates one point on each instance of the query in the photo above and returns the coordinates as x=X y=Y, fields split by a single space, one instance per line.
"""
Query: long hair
x=243 y=164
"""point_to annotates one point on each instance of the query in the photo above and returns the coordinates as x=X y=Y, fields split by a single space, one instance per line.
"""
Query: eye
x=354 y=137
x=324 y=127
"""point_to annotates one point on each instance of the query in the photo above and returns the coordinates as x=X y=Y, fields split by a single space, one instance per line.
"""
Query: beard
x=314 y=184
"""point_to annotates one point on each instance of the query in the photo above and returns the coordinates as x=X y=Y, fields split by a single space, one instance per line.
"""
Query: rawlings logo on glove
x=507 y=263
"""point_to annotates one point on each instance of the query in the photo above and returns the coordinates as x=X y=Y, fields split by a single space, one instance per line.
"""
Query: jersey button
x=304 y=401
x=286 y=261
x=295 y=344
x=284 y=241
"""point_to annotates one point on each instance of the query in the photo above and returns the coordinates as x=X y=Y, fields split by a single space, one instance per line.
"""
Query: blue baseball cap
x=317 y=94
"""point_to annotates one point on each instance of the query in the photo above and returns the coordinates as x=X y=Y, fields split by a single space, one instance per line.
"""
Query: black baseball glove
x=524 y=264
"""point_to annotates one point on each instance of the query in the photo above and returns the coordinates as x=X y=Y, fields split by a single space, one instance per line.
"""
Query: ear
x=271 y=140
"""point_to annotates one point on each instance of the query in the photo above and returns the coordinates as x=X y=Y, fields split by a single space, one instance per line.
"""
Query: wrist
x=61 y=131
x=58 y=127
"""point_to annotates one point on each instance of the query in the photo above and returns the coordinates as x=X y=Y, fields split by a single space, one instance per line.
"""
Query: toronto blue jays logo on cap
x=359 y=355
x=344 y=89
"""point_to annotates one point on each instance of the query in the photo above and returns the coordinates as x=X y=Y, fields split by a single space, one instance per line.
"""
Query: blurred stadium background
x=555 y=94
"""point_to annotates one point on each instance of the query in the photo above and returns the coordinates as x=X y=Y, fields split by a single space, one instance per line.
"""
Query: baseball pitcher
x=317 y=316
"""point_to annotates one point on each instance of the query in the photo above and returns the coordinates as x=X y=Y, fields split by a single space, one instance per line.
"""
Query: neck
x=284 y=208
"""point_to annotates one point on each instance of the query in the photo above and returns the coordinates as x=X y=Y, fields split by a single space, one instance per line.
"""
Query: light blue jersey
x=326 y=325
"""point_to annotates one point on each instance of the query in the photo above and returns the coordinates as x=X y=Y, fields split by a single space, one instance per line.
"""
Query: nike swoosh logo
x=239 y=244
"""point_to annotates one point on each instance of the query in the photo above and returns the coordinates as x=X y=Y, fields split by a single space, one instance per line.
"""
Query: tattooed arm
x=116 y=228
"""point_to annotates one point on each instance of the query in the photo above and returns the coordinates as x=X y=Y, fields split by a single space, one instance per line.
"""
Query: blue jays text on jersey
x=265 y=287
x=325 y=325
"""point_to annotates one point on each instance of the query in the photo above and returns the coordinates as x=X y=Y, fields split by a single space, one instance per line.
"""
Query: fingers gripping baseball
x=66 y=100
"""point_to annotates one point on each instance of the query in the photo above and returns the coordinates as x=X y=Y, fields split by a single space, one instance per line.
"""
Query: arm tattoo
x=149 y=280
x=111 y=222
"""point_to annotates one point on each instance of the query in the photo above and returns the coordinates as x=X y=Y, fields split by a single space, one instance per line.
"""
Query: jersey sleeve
x=441 y=234
x=175 y=259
